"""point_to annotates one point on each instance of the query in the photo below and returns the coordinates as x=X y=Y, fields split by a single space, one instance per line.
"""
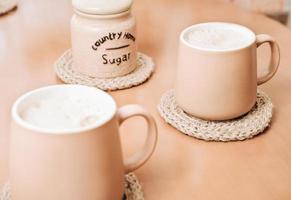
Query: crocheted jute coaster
x=133 y=189
x=244 y=127
x=64 y=70
x=7 y=6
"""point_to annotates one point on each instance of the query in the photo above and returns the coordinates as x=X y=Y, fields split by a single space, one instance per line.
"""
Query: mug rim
x=183 y=40
x=21 y=122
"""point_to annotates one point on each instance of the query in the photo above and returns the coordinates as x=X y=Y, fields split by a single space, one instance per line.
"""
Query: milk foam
x=219 y=36
x=62 y=111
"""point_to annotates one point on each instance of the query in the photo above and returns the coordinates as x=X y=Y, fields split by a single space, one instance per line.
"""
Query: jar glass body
x=103 y=46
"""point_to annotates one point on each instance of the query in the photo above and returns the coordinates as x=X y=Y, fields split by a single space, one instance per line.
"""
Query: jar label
x=105 y=54
x=115 y=49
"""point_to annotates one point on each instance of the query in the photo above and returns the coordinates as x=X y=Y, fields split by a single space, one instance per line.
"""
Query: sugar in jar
x=103 y=38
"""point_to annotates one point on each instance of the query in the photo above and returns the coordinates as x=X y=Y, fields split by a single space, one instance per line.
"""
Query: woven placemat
x=7 y=6
x=133 y=189
x=245 y=127
x=64 y=70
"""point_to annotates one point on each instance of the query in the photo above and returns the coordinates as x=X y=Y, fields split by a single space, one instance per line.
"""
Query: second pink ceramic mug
x=220 y=84
x=75 y=163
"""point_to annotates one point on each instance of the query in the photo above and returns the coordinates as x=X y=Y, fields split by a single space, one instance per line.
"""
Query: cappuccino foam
x=216 y=36
x=62 y=112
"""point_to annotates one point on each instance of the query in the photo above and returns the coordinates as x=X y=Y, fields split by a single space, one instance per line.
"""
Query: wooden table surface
x=33 y=37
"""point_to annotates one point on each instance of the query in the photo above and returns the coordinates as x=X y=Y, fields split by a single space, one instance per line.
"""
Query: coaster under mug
x=145 y=68
x=133 y=189
x=241 y=128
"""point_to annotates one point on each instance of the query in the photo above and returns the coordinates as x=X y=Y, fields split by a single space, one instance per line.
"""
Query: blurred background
x=276 y=9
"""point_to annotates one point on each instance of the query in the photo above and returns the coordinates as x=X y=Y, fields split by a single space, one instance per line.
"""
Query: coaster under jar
x=64 y=70
x=7 y=6
x=133 y=190
x=244 y=127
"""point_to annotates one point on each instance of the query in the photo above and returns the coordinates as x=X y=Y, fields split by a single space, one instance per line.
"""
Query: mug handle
x=275 y=56
x=139 y=158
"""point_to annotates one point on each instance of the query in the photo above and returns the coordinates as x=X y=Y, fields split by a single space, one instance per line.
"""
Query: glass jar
x=103 y=39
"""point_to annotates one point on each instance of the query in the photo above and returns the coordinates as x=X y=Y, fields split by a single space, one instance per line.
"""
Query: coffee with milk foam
x=62 y=112
x=218 y=36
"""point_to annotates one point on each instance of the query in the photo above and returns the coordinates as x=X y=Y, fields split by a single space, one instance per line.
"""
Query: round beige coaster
x=64 y=70
x=6 y=6
x=133 y=190
x=247 y=126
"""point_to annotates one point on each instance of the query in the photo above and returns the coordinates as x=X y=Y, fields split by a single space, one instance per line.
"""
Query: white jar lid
x=102 y=7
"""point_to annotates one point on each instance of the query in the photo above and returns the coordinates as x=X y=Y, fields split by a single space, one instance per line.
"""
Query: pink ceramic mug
x=75 y=163
x=217 y=69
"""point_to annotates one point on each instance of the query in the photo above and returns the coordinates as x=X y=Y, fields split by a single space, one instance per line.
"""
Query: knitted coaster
x=133 y=190
x=6 y=6
x=244 y=127
x=64 y=70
